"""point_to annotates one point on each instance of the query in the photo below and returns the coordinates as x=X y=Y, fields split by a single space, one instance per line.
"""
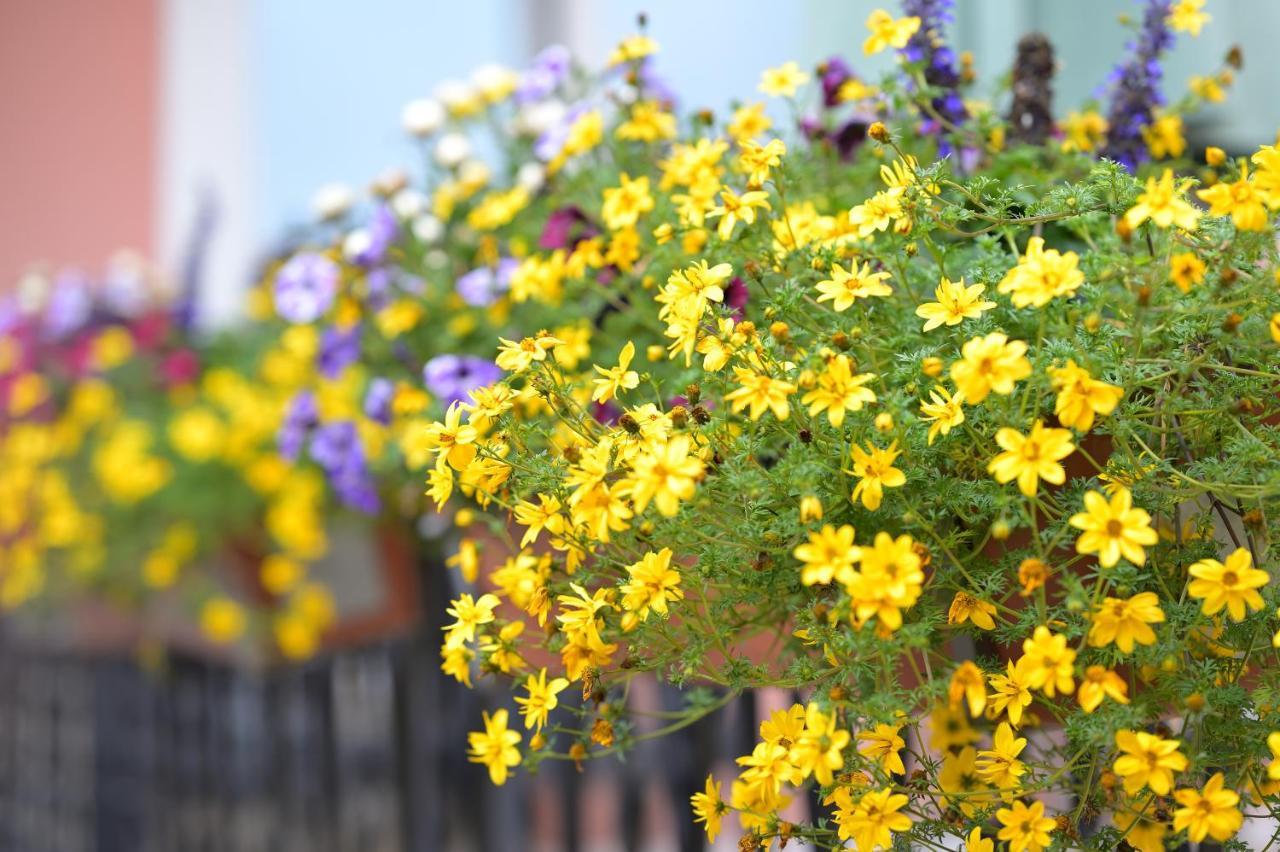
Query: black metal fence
x=362 y=750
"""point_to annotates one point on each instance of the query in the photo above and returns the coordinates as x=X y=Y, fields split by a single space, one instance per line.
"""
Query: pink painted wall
x=78 y=95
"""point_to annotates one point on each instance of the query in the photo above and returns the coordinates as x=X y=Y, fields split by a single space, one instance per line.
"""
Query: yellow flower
x=991 y=364
x=197 y=434
x=882 y=745
x=1164 y=137
x=955 y=303
x=975 y=842
x=1267 y=159
x=1233 y=584
x=946 y=411
x=1012 y=691
x=541 y=699
x=1041 y=275
x=708 y=808
x=1083 y=131
x=1275 y=327
x=222 y=620
x=734 y=208
x=495 y=746
x=810 y=509
x=647 y=122
x=847 y=285
x=1185 y=269
x=999 y=765
x=466 y=560
x=1187 y=16
x=1113 y=528
x=1098 y=683
x=624 y=204
x=633 y=48
x=889 y=580
x=1242 y=200
x=762 y=393
x=1032 y=457
x=756 y=160
x=517 y=357
x=111 y=348
x=1147 y=760
x=453 y=439
x=1050 y=663
x=1273 y=743
x=748 y=122
x=828 y=555
x=1163 y=204
x=280 y=574
x=875 y=471
x=1026 y=828
x=1209 y=88
x=878 y=212
x=545 y=514
x=839 y=390
x=872 y=822
x=664 y=474
x=1081 y=397
x=653 y=584
x=783 y=80
x=468 y=613
x=1143 y=831
x=617 y=378
x=966 y=607
x=1211 y=812
x=887 y=32
x=968 y=685
x=818 y=751
x=1125 y=621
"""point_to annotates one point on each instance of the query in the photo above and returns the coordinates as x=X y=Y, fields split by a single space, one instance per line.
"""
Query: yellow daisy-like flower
x=999 y=765
x=616 y=379
x=1126 y=621
x=708 y=808
x=845 y=286
x=1081 y=397
x=991 y=364
x=946 y=411
x=1186 y=270
x=1187 y=16
x=1041 y=275
x=955 y=303
x=1026 y=828
x=1113 y=528
x=828 y=555
x=1098 y=684
x=886 y=31
x=783 y=81
x=1031 y=457
x=541 y=698
x=1241 y=200
x=653 y=584
x=838 y=390
x=1147 y=760
x=495 y=746
x=1210 y=812
x=1232 y=585
x=875 y=471
x=760 y=393
x=1163 y=204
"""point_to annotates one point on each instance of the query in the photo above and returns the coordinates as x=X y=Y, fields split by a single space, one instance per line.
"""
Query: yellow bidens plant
x=970 y=443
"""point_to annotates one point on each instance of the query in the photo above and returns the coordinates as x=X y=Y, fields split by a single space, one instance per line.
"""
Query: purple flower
x=70 y=304
x=736 y=296
x=549 y=69
x=339 y=348
x=835 y=73
x=377 y=400
x=1135 y=87
x=552 y=140
x=565 y=228
x=452 y=377
x=940 y=65
x=481 y=287
x=298 y=421
x=305 y=287
x=654 y=86
x=376 y=237
x=336 y=447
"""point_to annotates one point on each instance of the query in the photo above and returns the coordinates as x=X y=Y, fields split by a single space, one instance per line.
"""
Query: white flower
x=536 y=118
x=531 y=176
x=389 y=182
x=456 y=95
x=452 y=149
x=422 y=117
x=474 y=173
x=427 y=228
x=356 y=243
x=332 y=200
x=408 y=203
x=493 y=80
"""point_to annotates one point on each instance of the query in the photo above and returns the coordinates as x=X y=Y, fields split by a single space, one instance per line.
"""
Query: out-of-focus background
x=197 y=132
x=145 y=123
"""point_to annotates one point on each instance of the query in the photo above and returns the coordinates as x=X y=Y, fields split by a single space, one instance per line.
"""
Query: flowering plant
x=977 y=453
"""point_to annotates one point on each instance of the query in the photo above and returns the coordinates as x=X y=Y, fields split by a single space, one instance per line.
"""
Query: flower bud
x=931 y=366
x=1214 y=156
x=780 y=331
x=679 y=416
x=878 y=132
x=810 y=509
x=884 y=421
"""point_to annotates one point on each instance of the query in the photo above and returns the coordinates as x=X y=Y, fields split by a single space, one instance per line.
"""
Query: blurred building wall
x=78 y=83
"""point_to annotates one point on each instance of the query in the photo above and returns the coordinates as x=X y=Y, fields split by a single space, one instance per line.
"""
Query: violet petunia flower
x=377 y=400
x=305 y=287
x=336 y=447
x=339 y=349
x=481 y=287
x=549 y=69
x=452 y=378
x=70 y=305
x=299 y=419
